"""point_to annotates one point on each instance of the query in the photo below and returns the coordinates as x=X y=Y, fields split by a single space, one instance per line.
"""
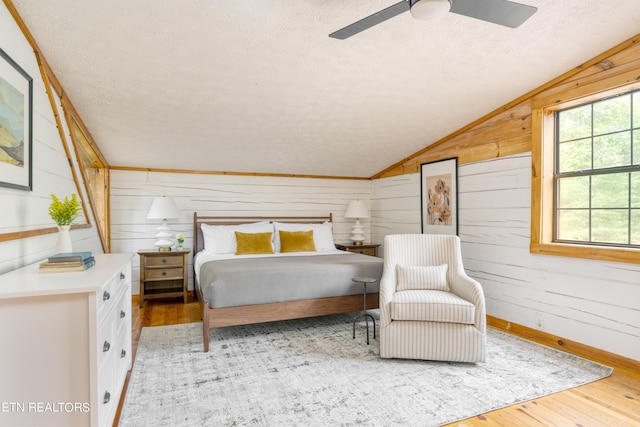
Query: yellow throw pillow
x=253 y=243
x=296 y=241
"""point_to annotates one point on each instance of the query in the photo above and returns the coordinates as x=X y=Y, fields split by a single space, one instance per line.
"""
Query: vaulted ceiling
x=258 y=86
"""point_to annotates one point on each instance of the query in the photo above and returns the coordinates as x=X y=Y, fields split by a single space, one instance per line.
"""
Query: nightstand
x=371 y=249
x=163 y=274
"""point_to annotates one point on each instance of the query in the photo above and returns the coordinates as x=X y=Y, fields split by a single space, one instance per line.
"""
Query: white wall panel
x=223 y=195
x=593 y=302
x=395 y=207
x=28 y=210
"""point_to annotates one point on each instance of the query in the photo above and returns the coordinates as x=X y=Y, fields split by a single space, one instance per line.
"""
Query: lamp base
x=164 y=249
x=357 y=233
x=357 y=243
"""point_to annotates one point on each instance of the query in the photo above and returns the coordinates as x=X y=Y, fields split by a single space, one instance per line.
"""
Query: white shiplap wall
x=132 y=193
x=28 y=210
x=593 y=302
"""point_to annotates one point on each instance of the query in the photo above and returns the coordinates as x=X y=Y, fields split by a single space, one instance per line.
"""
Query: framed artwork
x=439 y=196
x=16 y=115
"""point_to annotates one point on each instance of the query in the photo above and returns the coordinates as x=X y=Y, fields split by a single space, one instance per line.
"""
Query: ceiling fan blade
x=501 y=12
x=371 y=20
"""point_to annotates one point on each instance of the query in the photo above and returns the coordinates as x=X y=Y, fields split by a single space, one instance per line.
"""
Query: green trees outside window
x=597 y=172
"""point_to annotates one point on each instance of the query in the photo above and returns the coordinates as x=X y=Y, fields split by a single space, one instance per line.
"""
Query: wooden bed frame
x=258 y=313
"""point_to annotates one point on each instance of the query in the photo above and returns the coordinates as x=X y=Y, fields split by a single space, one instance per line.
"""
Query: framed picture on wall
x=439 y=196
x=16 y=96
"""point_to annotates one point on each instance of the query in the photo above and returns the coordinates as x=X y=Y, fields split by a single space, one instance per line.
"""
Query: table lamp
x=164 y=208
x=357 y=210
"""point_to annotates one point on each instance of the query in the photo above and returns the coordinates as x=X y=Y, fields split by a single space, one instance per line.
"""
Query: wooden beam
x=200 y=172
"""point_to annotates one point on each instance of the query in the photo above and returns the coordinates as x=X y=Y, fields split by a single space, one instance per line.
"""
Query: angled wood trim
x=103 y=238
x=63 y=139
x=200 y=172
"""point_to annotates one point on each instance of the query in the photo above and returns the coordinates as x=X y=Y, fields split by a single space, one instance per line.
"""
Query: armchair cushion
x=422 y=277
x=432 y=306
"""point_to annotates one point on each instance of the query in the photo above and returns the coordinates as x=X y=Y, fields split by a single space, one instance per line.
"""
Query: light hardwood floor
x=613 y=401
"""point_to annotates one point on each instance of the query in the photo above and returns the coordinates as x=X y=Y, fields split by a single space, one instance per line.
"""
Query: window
x=597 y=172
x=585 y=180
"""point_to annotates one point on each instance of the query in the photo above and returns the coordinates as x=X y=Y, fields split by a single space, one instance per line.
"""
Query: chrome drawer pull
x=123 y=353
x=107 y=397
x=106 y=346
x=105 y=296
x=122 y=314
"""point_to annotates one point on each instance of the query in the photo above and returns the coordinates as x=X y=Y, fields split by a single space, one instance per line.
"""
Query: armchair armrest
x=471 y=290
x=387 y=289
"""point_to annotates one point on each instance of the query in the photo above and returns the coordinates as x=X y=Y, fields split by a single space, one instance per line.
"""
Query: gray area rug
x=311 y=372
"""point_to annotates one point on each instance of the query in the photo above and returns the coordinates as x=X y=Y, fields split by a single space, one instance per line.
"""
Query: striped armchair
x=429 y=308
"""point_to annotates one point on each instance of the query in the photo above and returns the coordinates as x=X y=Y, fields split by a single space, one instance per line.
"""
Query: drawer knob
x=122 y=276
x=164 y=273
x=107 y=397
x=106 y=346
x=122 y=314
x=105 y=296
x=164 y=260
x=123 y=354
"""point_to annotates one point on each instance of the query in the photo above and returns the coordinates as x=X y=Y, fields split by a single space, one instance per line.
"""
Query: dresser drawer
x=164 y=261
x=108 y=396
x=105 y=299
x=163 y=273
x=105 y=342
x=123 y=280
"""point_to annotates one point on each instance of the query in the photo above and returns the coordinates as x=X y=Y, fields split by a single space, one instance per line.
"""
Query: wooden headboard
x=198 y=239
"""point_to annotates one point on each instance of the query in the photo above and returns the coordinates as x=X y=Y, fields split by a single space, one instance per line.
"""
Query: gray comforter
x=235 y=282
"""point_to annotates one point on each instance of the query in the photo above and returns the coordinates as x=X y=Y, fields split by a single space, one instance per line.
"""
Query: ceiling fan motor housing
x=429 y=9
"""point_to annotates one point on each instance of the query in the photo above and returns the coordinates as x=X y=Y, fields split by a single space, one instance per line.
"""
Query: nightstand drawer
x=164 y=261
x=163 y=273
x=364 y=251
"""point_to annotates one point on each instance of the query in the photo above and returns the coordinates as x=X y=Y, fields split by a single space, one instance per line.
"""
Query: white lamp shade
x=430 y=9
x=357 y=209
x=163 y=208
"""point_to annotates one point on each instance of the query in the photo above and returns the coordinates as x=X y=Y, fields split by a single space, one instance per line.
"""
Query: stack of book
x=68 y=261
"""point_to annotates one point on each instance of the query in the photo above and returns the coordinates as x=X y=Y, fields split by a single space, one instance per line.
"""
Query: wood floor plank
x=613 y=401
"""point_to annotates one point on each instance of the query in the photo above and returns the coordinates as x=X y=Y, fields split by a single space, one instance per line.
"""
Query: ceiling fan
x=501 y=12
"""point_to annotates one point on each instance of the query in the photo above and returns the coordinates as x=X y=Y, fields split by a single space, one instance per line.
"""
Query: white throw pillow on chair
x=432 y=277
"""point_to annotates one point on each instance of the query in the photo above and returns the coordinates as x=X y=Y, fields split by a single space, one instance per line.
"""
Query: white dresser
x=65 y=344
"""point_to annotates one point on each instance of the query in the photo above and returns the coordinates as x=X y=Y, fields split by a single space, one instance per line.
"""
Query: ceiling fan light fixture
x=430 y=9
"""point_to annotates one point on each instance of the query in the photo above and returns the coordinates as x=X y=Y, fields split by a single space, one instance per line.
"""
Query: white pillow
x=422 y=278
x=322 y=234
x=221 y=239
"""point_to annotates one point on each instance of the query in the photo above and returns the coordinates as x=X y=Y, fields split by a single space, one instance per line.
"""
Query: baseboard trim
x=630 y=367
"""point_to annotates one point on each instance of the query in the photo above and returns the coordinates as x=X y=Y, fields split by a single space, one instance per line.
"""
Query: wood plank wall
x=209 y=194
x=592 y=302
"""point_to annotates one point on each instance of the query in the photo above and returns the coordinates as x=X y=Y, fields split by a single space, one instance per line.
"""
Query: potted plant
x=180 y=239
x=63 y=213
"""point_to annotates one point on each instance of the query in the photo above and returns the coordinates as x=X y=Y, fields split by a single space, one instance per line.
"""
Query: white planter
x=64 y=239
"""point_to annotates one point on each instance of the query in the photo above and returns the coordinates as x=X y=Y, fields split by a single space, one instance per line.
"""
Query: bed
x=286 y=284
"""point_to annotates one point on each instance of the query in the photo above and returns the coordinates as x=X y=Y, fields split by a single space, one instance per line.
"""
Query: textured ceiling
x=258 y=86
